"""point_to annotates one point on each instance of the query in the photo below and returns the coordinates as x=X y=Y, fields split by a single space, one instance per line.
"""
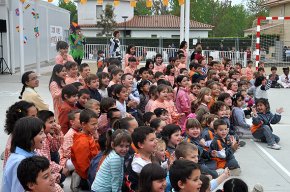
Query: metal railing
x=150 y=52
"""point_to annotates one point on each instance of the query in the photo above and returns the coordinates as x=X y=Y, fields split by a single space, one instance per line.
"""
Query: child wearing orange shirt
x=85 y=146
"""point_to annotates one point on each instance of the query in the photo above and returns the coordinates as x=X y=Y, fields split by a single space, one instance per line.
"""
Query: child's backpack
x=94 y=166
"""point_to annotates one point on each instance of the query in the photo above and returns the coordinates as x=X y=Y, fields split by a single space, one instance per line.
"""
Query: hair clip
x=19 y=110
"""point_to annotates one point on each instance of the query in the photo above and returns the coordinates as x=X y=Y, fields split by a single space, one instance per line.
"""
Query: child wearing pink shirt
x=159 y=66
x=248 y=71
x=63 y=56
x=72 y=72
x=182 y=63
x=182 y=99
x=132 y=66
x=170 y=74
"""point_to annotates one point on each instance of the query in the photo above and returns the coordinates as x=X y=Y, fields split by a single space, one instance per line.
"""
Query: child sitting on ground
x=225 y=146
x=65 y=149
x=262 y=120
x=110 y=174
x=83 y=97
x=144 y=139
x=69 y=97
x=92 y=83
x=85 y=146
x=193 y=132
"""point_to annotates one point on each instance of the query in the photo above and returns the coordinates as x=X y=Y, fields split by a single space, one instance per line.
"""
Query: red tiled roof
x=157 y=21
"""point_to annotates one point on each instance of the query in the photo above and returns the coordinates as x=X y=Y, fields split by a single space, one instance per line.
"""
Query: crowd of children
x=129 y=128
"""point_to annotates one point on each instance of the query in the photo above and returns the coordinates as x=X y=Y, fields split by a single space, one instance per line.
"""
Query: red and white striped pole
x=258 y=34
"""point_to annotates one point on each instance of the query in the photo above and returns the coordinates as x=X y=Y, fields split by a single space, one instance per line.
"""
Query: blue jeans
x=265 y=133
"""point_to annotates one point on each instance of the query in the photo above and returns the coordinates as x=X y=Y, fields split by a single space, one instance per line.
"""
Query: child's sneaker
x=274 y=146
x=235 y=172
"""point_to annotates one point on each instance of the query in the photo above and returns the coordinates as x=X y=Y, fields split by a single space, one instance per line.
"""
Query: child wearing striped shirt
x=110 y=174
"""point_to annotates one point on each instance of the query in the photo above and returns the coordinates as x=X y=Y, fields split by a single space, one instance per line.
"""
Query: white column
x=187 y=21
x=21 y=39
x=181 y=22
x=37 y=40
x=11 y=39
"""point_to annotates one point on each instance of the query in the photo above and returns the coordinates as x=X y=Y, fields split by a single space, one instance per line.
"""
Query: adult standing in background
x=77 y=41
x=115 y=51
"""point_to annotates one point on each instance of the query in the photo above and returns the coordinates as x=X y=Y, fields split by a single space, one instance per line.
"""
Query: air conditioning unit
x=3 y=2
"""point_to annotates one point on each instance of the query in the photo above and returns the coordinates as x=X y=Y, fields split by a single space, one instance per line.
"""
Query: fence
x=150 y=52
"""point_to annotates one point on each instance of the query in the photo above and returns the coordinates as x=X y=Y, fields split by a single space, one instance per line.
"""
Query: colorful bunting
x=17 y=12
x=22 y=1
x=116 y=3
x=149 y=3
x=133 y=3
x=66 y=1
x=49 y=1
x=181 y=2
x=27 y=6
x=83 y=1
x=165 y=2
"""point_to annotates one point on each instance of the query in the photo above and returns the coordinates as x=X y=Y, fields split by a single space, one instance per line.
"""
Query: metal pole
x=187 y=21
x=181 y=23
x=37 y=47
x=21 y=38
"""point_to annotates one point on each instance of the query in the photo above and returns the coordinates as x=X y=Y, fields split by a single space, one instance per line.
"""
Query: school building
x=43 y=25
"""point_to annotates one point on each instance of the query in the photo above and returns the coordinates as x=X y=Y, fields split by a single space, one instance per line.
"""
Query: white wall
x=166 y=33
x=49 y=14
x=3 y=15
x=87 y=11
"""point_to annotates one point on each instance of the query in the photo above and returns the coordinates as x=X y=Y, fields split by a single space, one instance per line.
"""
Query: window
x=153 y=36
x=99 y=11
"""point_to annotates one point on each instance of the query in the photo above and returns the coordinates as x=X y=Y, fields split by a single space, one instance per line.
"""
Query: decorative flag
x=165 y=2
x=181 y=2
x=74 y=24
x=49 y=1
x=27 y=6
x=22 y=1
x=83 y=1
x=36 y=32
x=17 y=12
x=99 y=2
x=133 y=3
x=66 y=1
x=116 y=3
x=35 y=15
x=25 y=40
x=149 y=3
x=17 y=28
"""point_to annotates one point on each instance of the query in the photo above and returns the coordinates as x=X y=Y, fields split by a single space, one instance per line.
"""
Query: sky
x=235 y=2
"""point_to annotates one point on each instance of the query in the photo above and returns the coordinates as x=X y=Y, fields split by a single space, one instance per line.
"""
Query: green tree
x=71 y=6
x=107 y=22
x=257 y=8
x=156 y=9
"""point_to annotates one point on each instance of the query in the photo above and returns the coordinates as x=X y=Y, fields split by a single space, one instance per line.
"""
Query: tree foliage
x=70 y=7
x=156 y=9
x=107 y=22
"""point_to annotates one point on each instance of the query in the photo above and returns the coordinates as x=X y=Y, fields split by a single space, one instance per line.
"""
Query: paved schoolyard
x=258 y=163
